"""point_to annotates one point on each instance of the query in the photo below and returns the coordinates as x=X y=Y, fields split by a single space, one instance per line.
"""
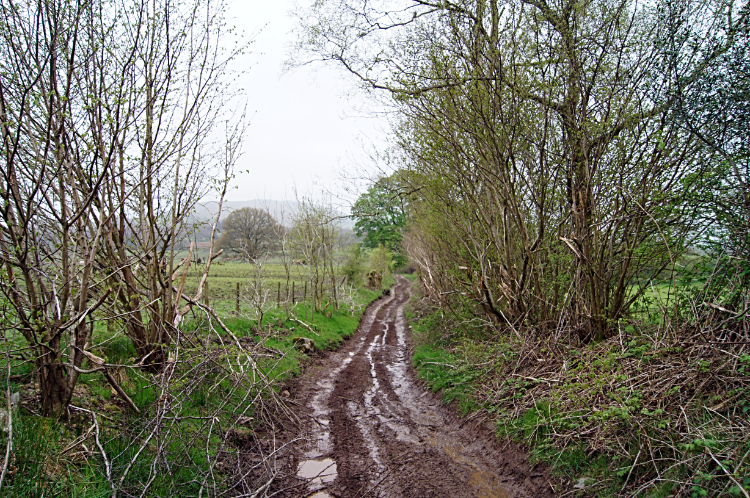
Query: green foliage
x=712 y=105
x=380 y=215
x=382 y=260
x=714 y=278
x=354 y=264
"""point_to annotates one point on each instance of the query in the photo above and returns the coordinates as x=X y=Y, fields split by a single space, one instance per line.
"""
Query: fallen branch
x=107 y=466
x=720 y=308
x=295 y=319
x=78 y=440
x=112 y=382
x=730 y=476
x=534 y=379
x=437 y=363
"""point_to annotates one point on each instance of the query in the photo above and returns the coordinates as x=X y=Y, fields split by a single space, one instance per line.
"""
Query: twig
x=107 y=466
x=720 y=308
x=437 y=363
x=731 y=478
x=537 y=380
x=569 y=243
x=263 y=488
x=77 y=441
x=631 y=471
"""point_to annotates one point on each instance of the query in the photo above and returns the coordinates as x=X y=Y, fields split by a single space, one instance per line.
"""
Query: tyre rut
x=374 y=431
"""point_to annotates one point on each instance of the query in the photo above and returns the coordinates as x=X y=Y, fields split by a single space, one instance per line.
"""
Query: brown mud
x=369 y=428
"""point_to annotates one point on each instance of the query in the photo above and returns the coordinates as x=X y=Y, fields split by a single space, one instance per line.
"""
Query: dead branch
x=293 y=318
x=720 y=308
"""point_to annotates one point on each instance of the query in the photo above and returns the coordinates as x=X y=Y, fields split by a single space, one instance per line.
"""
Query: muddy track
x=371 y=430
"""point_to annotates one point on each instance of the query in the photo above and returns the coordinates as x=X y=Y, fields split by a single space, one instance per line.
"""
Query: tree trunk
x=53 y=381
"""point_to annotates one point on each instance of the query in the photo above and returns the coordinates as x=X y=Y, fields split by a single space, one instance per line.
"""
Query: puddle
x=319 y=471
x=486 y=484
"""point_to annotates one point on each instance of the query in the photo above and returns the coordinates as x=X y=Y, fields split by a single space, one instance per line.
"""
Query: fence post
x=335 y=293
x=278 y=294
x=205 y=296
x=237 y=304
x=292 y=292
x=304 y=296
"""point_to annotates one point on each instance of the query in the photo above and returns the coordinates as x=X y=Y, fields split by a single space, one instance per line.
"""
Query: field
x=224 y=278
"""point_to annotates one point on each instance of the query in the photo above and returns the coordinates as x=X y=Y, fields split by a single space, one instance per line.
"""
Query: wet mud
x=369 y=429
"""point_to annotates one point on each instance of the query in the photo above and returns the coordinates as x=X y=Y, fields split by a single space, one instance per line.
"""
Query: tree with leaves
x=380 y=215
x=549 y=178
x=706 y=53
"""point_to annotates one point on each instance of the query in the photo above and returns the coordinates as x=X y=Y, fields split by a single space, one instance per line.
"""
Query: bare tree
x=314 y=238
x=251 y=233
x=52 y=227
x=105 y=112
x=178 y=84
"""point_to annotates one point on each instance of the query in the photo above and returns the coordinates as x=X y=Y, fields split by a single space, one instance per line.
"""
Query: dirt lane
x=371 y=429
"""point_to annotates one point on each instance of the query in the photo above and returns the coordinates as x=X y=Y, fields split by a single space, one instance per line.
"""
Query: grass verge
x=201 y=417
x=654 y=411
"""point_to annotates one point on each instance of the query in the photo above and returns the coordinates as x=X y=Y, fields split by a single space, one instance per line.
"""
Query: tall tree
x=178 y=83
x=50 y=177
x=380 y=215
x=101 y=105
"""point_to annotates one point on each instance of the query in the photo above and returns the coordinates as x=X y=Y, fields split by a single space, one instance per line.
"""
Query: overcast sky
x=304 y=128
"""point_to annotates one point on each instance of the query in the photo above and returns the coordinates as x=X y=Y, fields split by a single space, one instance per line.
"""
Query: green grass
x=41 y=470
x=589 y=410
x=328 y=333
x=223 y=280
x=434 y=365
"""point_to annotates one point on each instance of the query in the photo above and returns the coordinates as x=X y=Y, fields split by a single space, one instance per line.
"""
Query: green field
x=224 y=278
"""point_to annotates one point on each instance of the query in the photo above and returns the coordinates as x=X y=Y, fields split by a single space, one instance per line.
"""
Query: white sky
x=304 y=129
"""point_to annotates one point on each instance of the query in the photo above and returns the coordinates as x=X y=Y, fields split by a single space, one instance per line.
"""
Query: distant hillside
x=282 y=211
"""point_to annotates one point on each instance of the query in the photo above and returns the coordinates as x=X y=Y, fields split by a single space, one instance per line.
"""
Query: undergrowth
x=652 y=411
